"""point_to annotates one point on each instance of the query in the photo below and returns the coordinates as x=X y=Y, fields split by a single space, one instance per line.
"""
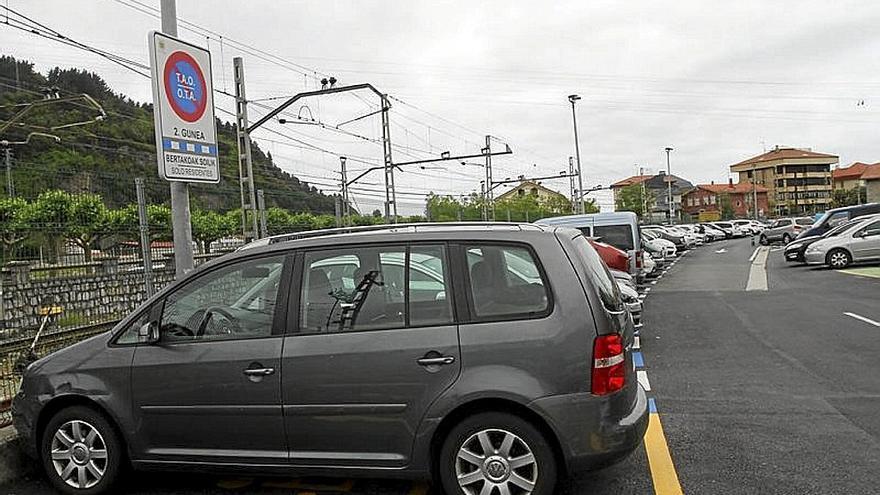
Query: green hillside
x=104 y=157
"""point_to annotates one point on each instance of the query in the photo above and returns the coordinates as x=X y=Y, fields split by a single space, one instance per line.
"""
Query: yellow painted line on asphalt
x=873 y=271
x=660 y=460
x=418 y=489
x=296 y=484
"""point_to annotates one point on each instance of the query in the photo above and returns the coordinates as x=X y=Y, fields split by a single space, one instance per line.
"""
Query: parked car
x=748 y=226
x=619 y=229
x=785 y=230
x=835 y=216
x=735 y=230
x=795 y=250
x=633 y=304
x=283 y=355
x=613 y=257
x=713 y=233
x=857 y=243
x=727 y=231
x=655 y=243
x=677 y=240
x=623 y=278
x=650 y=264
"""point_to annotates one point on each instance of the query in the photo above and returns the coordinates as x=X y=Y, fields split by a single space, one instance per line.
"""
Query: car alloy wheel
x=79 y=454
x=838 y=259
x=763 y=240
x=786 y=239
x=495 y=461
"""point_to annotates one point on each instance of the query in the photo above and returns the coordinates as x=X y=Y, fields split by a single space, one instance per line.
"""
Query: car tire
x=519 y=456
x=786 y=239
x=81 y=452
x=763 y=240
x=838 y=258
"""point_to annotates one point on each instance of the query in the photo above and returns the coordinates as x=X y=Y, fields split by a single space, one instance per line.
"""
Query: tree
x=634 y=198
x=14 y=225
x=90 y=222
x=50 y=217
x=377 y=213
x=209 y=226
x=727 y=212
x=847 y=197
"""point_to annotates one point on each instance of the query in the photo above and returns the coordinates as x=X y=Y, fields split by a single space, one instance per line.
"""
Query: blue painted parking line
x=652 y=406
x=638 y=360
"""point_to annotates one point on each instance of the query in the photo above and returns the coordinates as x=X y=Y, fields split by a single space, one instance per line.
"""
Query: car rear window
x=598 y=274
x=619 y=236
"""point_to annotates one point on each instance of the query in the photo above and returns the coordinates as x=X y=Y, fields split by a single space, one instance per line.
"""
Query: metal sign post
x=183 y=108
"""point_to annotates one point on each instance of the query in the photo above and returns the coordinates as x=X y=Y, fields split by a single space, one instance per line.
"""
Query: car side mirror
x=148 y=333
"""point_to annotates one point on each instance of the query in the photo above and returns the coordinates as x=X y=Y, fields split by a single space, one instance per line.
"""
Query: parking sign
x=183 y=110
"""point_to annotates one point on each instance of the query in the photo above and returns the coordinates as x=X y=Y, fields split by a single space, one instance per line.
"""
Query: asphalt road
x=770 y=392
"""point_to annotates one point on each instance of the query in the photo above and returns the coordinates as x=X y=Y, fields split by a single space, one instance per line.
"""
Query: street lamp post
x=670 y=205
x=577 y=154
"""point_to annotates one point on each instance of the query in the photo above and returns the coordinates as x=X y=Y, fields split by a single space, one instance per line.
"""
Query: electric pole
x=577 y=153
x=490 y=198
x=755 y=191
x=249 y=208
x=670 y=205
x=572 y=189
x=346 y=215
x=10 y=189
x=180 y=214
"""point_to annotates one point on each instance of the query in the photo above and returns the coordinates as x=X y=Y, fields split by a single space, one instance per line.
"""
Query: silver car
x=785 y=230
x=860 y=242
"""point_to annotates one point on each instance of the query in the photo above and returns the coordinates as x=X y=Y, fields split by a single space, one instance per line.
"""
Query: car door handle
x=436 y=361
x=259 y=371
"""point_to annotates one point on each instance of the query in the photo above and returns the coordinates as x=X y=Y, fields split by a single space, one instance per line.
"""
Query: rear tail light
x=609 y=364
x=798 y=227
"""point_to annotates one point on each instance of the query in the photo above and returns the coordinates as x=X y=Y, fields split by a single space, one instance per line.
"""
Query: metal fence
x=73 y=255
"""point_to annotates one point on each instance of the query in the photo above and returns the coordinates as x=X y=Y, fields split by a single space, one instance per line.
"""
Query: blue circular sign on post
x=185 y=86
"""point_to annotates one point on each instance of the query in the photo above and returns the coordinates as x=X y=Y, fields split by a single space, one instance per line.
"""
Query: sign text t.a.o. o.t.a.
x=183 y=109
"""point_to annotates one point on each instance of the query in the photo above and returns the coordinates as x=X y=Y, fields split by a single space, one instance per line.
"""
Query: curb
x=14 y=464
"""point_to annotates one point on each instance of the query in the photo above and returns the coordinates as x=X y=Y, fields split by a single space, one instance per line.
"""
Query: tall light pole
x=577 y=154
x=670 y=205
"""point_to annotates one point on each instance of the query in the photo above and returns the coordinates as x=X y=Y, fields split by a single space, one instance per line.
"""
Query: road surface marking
x=752 y=258
x=721 y=251
x=647 y=289
x=638 y=343
x=758 y=271
x=862 y=318
x=659 y=459
x=638 y=360
x=642 y=376
x=653 y=282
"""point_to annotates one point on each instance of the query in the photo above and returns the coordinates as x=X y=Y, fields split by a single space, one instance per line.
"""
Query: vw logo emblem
x=496 y=469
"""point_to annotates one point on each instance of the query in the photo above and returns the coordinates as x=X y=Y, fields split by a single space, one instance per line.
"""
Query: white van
x=620 y=229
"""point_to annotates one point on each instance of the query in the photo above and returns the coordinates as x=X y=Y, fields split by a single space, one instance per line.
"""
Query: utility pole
x=390 y=194
x=261 y=210
x=490 y=198
x=346 y=212
x=572 y=190
x=644 y=195
x=144 y=229
x=754 y=191
x=577 y=153
x=483 y=195
x=180 y=214
x=10 y=188
x=670 y=205
x=249 y=227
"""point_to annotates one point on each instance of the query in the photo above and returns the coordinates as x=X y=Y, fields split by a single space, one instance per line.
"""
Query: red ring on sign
x=201 y=104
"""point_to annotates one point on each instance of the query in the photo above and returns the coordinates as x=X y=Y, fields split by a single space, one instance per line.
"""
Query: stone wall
x=106 y=295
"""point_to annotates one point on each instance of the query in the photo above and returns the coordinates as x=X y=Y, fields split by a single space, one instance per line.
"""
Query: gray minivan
x=491 y=357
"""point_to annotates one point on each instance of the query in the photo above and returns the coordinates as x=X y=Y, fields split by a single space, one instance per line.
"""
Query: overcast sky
x=718 y=81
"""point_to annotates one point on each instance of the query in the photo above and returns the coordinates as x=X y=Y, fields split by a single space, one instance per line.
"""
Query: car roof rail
x=412 y=227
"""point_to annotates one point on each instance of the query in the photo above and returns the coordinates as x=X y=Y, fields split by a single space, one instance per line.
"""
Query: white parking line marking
x=647 y=289
x=653 y=282
x=862 y=318
x=638 y=343
x=758 y=271
x=643 y=380
x=754 y=254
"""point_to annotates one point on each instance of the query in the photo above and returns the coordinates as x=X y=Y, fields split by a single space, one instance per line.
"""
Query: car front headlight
x=814 y=249
x=794 y=245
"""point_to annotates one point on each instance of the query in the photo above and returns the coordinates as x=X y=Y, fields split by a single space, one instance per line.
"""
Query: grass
x=864 y=271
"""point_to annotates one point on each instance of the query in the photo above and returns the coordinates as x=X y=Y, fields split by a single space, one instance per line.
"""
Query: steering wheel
x=230 y=327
